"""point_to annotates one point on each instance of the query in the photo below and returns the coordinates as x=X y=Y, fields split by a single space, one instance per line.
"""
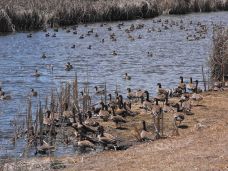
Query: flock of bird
x=89 y=129
x=194 y=31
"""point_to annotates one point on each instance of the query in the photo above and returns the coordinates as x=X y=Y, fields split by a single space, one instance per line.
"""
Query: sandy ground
x=202 y=146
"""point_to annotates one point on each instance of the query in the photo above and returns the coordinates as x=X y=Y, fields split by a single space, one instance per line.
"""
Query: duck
x=33 y=93
x=44 y=56
x=127 y=77
x=150 y=54
x=104 y=113
x=117 y=119
x=99 y=91
x=75 y=32
x=36 y=74
x=68 y=66
x=5 y=97
x=81 y=37
x=29 y=35
x=145 y=135
x=47 y=34
x=114 y=53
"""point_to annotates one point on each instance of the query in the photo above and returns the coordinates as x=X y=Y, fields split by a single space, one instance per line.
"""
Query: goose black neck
x=196 y=86
x=178 y=108
x=156 y=101
x=144 y=125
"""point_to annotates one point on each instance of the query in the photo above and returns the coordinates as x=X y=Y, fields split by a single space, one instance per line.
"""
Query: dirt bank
x=202 y=146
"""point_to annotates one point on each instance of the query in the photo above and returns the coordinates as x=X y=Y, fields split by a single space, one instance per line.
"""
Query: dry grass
x=202 y=146
x=37 y=14
x=219 y=57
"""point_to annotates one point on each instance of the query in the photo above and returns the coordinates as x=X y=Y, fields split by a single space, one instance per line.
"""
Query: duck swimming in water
x=68 y=66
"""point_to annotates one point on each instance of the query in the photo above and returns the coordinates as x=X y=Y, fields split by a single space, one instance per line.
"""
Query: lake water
x=173 y=56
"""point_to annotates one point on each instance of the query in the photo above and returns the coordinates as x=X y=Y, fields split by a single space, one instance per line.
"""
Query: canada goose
x=112 y=103
x=186 y=107
x=150 y=54
x=43 y=56
x=120 y=108
x=114 y=53
x=96 y=35
x=54 y=35
x=68 y=31
x=147 y=103
x=89 y=47
x=83 y=144
x=139 y=37
x=47 y=120
x=196 y=97
x=73 y=46
x=105 y=139
x=145 y=135
x=117 y=119
x=190 y=86
x=127 y=77
x=67 y=113
x=109 y=28
x=75 y=32
x=29 y=35
x=99 y=91
x=103 y=113
x=178 y=118
x=161 y=90
x=167 y=107
x=130 y=94
x=140 y=94
x=1 y=91
x=36 y=74
x=81 y=37
x=44 y=148
x=47 y=34
x=5 y=97
x=82 y=128
x=181 y=84
x=34 y=93
x=156 y=110
x=89 y=121
x=68 y=66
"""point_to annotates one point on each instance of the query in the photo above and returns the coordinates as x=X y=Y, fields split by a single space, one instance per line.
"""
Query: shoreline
x=200 y=146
